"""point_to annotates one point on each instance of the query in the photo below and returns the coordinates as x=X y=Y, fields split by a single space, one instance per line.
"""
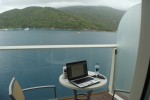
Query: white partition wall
x=143 y=55
x=127 y=41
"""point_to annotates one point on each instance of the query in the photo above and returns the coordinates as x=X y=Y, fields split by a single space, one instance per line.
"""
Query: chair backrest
x=15 y=90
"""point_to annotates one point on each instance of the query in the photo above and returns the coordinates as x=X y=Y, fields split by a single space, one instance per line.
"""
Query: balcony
x=42 y=64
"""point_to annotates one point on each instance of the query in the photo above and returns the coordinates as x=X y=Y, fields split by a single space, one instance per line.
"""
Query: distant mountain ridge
x=67 y=18
x=103 y=17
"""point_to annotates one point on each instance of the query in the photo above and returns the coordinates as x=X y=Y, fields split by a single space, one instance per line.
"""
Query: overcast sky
x=118 y=4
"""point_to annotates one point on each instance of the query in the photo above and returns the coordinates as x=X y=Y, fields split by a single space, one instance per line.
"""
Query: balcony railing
x=42 y=64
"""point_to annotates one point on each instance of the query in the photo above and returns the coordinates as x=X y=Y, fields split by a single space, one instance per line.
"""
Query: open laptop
x=77 y=73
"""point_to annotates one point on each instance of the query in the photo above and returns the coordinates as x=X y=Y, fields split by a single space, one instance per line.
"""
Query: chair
x=17 y=93
x=117 y=90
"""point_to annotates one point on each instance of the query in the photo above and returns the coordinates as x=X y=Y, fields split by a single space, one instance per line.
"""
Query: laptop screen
x=77 y=70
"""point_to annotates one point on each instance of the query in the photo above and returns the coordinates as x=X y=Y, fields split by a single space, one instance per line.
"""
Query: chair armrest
x=41 y=87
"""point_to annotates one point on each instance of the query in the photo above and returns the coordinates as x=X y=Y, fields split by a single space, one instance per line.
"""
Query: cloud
x=117 y=4
x=64 y=4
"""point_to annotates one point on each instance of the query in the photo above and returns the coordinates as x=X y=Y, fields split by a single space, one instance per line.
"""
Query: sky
x=117 y=4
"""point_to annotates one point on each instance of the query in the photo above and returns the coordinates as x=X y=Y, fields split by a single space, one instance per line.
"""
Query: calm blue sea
x=44 y=66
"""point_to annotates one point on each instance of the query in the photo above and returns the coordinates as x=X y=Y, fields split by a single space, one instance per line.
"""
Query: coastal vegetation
x=89 y=18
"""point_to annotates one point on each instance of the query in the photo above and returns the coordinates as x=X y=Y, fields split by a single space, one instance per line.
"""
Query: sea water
x=44 y=66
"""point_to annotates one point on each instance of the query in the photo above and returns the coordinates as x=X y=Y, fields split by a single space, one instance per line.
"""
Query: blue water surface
x=44 y=66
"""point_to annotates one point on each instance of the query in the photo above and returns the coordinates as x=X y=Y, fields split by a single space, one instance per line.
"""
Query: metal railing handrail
x=23 y=47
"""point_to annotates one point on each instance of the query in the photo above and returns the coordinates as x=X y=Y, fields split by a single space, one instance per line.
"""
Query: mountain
x=70 y=18
x=103 y=17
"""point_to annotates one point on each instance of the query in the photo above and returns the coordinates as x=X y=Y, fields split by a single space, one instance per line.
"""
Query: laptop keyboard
x=83 y=80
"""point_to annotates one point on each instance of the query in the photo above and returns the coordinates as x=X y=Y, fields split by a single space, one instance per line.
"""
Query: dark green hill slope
x=70 y=18
x=103 y=17
x=38 y=17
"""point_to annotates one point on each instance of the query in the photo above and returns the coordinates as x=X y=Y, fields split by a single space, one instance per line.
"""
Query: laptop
x=77 y=73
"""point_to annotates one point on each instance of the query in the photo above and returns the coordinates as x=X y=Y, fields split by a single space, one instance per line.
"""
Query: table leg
x=75 y=94
x=89 y=92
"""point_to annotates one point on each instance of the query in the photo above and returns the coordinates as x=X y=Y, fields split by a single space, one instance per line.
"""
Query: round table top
x=69 y=85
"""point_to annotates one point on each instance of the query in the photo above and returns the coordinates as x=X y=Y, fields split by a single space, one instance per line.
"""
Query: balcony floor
x=98 y=96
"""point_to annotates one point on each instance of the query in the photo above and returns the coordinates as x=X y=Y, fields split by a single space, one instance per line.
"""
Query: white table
x=89 y=89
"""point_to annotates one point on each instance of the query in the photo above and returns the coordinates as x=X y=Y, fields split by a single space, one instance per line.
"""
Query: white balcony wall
x=127 y=45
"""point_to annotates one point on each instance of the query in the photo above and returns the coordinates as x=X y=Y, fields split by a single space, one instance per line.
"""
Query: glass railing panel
x=44 y=66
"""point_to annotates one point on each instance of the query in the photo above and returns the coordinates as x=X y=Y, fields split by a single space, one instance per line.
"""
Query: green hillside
x=69 y=18
x=103 y=17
